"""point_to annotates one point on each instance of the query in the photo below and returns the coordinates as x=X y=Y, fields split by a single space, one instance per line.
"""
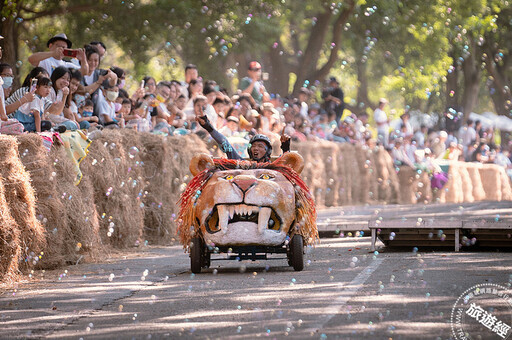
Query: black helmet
x=261 y=138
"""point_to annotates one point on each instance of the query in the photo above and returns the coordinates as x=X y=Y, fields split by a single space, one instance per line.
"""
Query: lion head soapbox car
x=246 y=210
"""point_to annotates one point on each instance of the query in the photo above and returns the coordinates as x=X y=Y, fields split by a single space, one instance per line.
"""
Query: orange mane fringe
x=304 y=204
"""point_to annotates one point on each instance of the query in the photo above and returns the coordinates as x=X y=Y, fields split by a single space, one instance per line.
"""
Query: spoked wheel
x=296 y=253
x=196 y=255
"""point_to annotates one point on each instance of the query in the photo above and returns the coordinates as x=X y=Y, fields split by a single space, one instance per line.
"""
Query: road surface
x=345 y=291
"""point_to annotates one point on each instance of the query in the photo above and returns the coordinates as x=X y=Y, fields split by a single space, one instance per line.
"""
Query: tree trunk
x=472 y=76
x=308 y=61
x=500 y=85
x=307 y=69
x=363 y=102
x=10 y=46
x=279 y=73
x=452 y=88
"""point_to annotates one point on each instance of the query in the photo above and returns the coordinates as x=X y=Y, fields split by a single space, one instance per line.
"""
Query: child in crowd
x=107 y=109
x=29 y=114
x=85 y=113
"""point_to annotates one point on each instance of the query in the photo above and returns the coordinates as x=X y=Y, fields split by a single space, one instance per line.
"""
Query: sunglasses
x=255 y=69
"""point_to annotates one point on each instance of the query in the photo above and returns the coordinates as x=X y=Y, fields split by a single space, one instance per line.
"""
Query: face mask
x=79 y=100
x=87 y=113
x=7 y=82
x=118 y=106
x=112 y=95
x=121 y=84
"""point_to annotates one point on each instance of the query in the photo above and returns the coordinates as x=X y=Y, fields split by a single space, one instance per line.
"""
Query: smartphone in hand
x=70 y=53
x=33 y=85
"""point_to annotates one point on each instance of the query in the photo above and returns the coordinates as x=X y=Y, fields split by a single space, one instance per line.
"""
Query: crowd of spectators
x=72 y=89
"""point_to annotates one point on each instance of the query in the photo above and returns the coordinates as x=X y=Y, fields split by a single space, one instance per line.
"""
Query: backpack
x=11 y=127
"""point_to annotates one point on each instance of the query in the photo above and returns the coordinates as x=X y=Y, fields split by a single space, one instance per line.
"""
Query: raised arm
x=221 y=140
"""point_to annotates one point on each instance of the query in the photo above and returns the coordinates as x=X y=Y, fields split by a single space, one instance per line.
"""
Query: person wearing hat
x=52 y=59
x=253 y=85
x=259 y=148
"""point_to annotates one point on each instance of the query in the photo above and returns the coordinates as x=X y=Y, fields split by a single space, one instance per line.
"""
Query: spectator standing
x=467 y=135
x=382 y=121
x=58 y=45
x=253 y=85
x=334 y=99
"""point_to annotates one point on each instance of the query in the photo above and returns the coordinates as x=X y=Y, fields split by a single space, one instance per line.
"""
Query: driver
x=259 y=148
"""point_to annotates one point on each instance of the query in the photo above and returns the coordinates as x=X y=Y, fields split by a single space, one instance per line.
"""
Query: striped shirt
x=19 y=93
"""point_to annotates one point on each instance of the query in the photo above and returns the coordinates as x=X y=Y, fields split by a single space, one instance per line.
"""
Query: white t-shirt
x=36 y=104
x=106 y=108
x=380 y=118
x=50 y=64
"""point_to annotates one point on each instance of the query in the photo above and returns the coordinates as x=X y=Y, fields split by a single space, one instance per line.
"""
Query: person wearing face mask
x=5 y=83
x=85 y=110
x=7 y=77
x=107 y=108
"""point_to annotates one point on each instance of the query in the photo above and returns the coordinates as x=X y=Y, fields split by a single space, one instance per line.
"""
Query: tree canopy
x=428 y=55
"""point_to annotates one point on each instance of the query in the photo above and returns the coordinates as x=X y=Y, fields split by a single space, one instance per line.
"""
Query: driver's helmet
x=261 y=138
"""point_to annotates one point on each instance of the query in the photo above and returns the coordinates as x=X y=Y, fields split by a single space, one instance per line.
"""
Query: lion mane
x=305 y=211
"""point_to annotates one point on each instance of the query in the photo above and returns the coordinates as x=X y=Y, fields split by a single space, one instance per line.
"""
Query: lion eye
x=266 y=176
x=229 y=177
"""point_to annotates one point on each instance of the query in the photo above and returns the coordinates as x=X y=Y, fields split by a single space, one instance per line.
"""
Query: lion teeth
x=223 y=218
x=263 y=218
x=231 y=211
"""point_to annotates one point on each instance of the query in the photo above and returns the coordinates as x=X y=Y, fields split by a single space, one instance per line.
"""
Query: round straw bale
x=491 y=181
x=83 y=238
x=20 y=198
x=10 y=245
x=118 y=188
x=49 y=200
x=467 y=186
x=476 y=180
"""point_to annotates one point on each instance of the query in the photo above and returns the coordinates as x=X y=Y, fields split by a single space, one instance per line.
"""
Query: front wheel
x=296 y=258
x=196 y=255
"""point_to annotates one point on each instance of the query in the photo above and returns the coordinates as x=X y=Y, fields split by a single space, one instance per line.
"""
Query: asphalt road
x=344 y=292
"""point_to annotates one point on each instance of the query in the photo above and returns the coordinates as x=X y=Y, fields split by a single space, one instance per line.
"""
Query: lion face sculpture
x=246 y=203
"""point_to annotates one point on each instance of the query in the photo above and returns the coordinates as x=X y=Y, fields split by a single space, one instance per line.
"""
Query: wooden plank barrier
x=441 y=233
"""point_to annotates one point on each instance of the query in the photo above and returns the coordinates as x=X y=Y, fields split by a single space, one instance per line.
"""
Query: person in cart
x=259 y=148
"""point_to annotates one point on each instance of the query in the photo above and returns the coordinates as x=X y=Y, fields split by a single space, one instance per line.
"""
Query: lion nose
x=244 y=183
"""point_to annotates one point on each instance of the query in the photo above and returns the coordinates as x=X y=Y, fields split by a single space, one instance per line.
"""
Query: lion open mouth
x=224 y=216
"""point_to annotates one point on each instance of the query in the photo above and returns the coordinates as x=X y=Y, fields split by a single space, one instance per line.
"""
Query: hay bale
x=491 y=181
x=329 y=156
x=476 y=181
x=118 y=187
x=49 y=200
x=506 y=191
x=467 y=186
x=453 y=187
x=407 y=185
x=83 y=238
x=10 y=245
x=20 y=198
x=386 y=176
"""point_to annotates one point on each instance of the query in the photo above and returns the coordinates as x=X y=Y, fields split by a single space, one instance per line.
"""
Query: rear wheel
x=196 y=255
x=296 y=255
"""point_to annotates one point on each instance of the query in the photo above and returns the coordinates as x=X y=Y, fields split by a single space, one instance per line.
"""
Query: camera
x=103 y=72
x=70 y=53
